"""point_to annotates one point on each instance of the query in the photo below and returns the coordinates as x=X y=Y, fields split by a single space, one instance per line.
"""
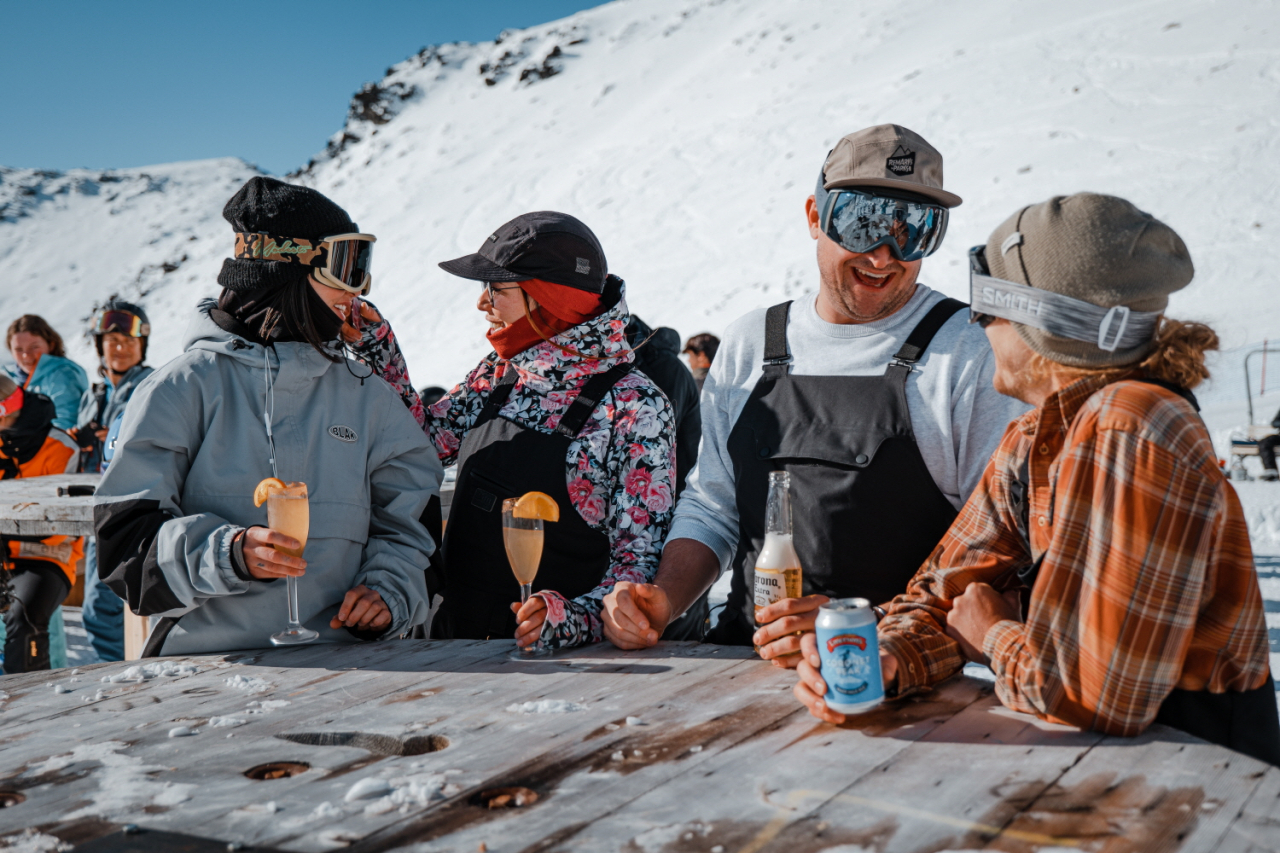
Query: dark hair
x=703 y=344
x=34 y=324
x=295 y=313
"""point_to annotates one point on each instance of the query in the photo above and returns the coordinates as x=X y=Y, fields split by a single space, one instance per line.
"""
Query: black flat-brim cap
x=551 y=246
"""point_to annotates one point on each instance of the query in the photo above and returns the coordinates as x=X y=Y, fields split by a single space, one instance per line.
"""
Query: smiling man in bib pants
x=874 y=393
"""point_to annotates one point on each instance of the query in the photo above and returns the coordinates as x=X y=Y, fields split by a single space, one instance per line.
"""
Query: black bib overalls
x=498 y=460
x=865 y=509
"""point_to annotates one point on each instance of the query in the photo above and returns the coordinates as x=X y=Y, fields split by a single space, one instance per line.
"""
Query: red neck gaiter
x=560 y=308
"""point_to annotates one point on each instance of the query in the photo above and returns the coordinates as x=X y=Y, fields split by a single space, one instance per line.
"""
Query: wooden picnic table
x=681 y=748
x=32 y=506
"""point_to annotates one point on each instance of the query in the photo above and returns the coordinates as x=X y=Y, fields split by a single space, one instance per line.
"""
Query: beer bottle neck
x=777 y=516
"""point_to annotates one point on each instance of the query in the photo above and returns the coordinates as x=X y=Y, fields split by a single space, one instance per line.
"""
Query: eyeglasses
x=489 y=289
x=342 y=261
x=863 y=221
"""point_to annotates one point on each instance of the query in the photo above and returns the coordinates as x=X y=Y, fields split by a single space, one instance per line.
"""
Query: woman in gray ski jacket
x=262 y=390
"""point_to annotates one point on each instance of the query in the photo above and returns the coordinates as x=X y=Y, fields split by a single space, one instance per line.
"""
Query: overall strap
x=922 y=335
x=498 y=396
x=775 y=336
x=589 y=397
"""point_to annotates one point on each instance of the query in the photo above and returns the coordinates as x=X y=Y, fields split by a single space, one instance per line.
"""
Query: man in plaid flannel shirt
x=1102 y=568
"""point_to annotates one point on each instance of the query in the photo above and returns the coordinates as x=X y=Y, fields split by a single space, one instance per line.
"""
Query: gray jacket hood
x=204 y=335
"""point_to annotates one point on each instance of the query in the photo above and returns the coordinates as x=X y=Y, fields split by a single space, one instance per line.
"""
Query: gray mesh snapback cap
x=891 y=157
x=551 y=246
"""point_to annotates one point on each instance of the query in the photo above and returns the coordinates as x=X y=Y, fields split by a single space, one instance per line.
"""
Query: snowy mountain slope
x=687 y=134
x=69 y=240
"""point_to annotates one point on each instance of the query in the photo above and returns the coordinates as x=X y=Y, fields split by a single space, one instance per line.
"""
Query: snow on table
x=684 y=747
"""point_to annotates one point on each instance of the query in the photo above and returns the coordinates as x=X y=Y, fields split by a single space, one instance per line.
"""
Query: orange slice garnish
x=264 y=489
x=537 y=505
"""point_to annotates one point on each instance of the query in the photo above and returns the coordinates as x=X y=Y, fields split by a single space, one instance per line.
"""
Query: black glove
x=85 y=436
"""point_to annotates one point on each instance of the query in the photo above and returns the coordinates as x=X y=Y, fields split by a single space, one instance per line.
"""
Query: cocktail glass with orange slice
x=522 y=520
x=288 y=512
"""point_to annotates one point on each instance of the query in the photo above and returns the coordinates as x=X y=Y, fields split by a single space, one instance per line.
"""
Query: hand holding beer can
x=850 y=655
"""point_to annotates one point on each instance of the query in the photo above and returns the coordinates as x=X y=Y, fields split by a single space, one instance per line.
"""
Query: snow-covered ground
x=687 y=133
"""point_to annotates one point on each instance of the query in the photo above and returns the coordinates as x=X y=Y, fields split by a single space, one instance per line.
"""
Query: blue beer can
x=850 y=653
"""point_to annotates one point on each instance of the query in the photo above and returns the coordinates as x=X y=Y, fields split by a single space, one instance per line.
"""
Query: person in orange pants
x=38 y=573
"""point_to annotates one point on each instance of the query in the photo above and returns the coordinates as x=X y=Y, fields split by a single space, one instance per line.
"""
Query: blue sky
x=118 y=83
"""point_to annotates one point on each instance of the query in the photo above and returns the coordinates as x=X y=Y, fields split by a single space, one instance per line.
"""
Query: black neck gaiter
x=20 y=443
x=252 y=309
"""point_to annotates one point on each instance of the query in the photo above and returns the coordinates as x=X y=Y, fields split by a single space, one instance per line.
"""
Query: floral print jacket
x=620 y=470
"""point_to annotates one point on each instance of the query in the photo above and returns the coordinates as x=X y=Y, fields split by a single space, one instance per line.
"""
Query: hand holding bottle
x=782 y=624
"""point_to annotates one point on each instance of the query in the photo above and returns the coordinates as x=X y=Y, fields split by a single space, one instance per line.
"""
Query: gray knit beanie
x=1097 y=248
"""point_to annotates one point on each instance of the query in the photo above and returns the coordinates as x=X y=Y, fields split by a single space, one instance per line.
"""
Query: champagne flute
x=522 y=538
x=288 y=512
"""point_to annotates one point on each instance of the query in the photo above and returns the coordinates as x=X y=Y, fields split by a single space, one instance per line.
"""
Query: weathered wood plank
x=202 y=758
x=955 y=787
x=725 y=757
x=32 y=507
x=592 y=773
x=810 y=786
x=485 y=738
x=1256 y=827
x=141 y=716
x=1163 y=790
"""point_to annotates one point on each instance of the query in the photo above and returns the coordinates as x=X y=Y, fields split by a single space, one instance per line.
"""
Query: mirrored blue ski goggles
x=862 y=220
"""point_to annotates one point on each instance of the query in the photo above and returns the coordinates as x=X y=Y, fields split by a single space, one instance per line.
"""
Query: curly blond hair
x=1178 y=358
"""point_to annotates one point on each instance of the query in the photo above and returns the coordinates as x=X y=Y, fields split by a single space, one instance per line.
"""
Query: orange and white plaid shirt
x=1147 y=582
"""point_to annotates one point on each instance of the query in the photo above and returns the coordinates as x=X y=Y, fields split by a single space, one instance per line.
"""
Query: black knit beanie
x=273 y=207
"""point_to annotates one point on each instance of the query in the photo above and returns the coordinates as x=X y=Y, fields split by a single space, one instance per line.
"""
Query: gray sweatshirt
x=191 y=450
x=956 y=413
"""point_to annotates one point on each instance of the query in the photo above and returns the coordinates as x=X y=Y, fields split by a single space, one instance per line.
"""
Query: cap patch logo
x=902 y=161
x=584 y=267
x=343 y=433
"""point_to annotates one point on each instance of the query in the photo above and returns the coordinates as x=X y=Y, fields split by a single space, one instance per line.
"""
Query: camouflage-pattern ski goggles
x=342 y=261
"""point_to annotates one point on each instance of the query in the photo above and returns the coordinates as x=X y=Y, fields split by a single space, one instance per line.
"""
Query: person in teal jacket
x=43 y=367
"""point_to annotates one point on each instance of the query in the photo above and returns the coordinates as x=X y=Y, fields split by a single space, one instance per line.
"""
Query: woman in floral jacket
x=558 y=326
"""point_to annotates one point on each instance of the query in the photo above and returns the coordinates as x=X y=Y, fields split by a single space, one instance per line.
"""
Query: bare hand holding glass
x=522 y=531
x=288 y=513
